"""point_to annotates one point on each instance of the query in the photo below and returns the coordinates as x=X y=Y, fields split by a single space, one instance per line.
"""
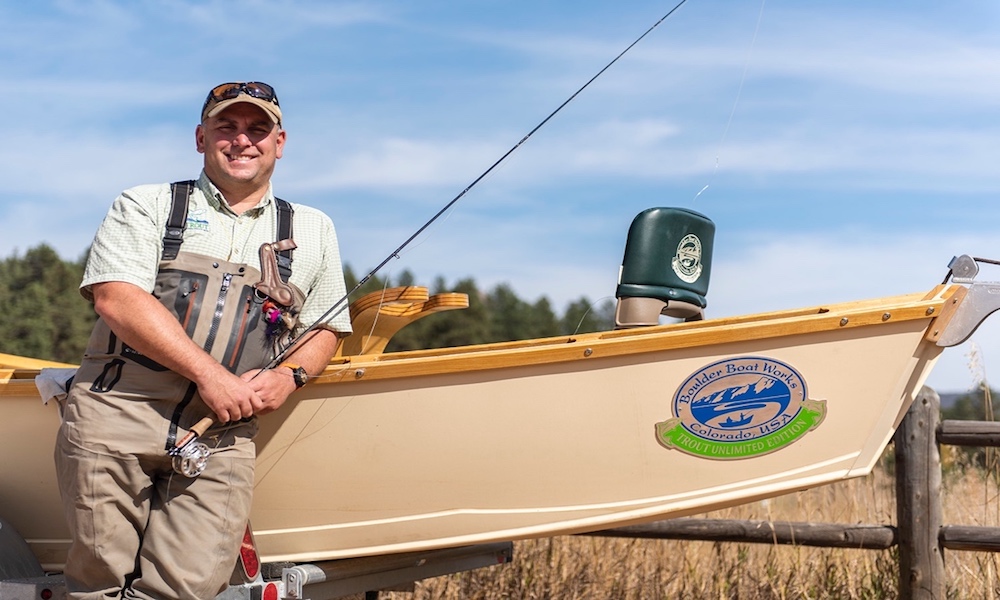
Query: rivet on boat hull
x=886 y=316
x=588 y=352
x=359 y=373
x=930 y=311
x=844 y=321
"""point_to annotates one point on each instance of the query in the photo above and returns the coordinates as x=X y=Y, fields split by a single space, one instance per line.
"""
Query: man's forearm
x=314 y=350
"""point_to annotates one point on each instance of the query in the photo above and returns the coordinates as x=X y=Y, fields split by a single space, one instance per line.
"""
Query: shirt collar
x=217 y=201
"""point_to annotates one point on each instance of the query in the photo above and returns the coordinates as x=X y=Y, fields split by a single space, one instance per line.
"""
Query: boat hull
x=420 y=450
x=476 y=457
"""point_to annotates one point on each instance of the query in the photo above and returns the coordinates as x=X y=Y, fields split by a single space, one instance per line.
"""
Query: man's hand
x=272 y=387
x=230 y=397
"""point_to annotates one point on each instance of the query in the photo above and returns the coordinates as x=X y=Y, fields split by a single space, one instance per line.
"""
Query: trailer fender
x=16 y=558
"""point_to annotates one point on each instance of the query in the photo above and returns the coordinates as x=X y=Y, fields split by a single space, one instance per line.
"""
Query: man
x=197 y=286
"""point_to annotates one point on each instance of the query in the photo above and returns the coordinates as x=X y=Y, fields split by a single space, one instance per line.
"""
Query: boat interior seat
x=666 y=267
x=378 y=316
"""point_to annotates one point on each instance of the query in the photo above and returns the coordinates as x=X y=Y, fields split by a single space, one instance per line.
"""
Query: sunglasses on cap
x=255 y=89
x=228 y=91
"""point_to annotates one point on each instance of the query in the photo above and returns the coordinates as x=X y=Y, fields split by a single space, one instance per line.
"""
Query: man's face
x=241 y=145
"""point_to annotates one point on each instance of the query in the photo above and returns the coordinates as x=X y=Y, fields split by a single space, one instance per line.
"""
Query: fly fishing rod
x=193 y=454
x=395 y=253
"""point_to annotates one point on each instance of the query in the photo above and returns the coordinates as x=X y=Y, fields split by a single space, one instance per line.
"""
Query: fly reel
x=189 y=456
x=190 y=460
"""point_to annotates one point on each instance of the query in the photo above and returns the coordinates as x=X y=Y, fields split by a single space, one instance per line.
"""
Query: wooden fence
x=919 y=533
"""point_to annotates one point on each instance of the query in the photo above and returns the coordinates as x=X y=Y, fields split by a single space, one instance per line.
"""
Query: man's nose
x=242 y=139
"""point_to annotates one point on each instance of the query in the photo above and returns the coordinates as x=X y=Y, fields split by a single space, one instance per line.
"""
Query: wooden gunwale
x=637 y=341
x=17 y=374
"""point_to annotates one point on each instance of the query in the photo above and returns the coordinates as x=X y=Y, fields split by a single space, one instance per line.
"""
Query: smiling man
x=198 y=285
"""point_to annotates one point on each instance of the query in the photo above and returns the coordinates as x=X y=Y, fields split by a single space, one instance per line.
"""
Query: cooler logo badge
x=687 y=260
x=740 y=408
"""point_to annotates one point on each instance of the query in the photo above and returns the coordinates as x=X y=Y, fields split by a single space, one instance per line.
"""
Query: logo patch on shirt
x=198 y=219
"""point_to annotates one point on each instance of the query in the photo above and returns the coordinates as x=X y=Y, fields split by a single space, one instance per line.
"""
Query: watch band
x=299 y=374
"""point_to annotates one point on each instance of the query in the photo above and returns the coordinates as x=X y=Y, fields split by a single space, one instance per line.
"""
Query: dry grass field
x=574 y=567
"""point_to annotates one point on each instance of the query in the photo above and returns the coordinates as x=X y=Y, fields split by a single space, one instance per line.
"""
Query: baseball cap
x=253 y=92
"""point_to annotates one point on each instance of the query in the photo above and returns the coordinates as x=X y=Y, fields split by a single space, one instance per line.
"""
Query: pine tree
x=47 y=317
x=508 y=315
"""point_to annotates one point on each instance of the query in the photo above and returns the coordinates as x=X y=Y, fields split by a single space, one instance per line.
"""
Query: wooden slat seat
x=378 y=316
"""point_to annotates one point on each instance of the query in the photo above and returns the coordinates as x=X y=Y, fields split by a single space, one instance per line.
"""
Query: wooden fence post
x=918 y=500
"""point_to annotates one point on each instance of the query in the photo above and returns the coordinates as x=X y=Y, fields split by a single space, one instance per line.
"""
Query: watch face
x=301 y=377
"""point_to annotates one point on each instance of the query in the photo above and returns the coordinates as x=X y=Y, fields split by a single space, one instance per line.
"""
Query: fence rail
x=919 y=532
x=832 y=535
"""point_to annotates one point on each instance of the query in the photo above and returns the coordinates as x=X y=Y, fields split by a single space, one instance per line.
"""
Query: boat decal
x=687 y=260
x=740 y=407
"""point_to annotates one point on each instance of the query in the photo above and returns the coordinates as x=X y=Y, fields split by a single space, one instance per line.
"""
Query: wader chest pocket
x=249 y=331
x=218 y=307
x=183 y=293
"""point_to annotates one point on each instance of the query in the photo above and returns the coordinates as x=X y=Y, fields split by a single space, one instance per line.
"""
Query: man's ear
x=199 y=138
x=280 y=143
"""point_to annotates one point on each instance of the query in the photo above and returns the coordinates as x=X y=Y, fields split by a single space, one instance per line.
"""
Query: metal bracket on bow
x=981 y=300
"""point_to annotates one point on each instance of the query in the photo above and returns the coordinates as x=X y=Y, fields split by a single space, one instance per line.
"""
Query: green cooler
x=666 y=268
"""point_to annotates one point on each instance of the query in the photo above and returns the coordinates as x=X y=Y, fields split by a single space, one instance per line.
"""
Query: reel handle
x=200 y=428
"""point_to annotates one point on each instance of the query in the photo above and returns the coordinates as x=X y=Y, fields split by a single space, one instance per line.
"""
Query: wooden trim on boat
x=17 y=374
x=946 y=313
x=591 y=346
x=12 y=361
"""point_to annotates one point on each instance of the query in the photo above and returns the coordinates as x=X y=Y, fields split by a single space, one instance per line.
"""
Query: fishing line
x=736 y=102
x=341 y=305
x=371 y=330
x=263 y=473
x=590 y=307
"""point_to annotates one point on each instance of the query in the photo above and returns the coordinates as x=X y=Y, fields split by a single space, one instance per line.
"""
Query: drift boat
x=397 y=452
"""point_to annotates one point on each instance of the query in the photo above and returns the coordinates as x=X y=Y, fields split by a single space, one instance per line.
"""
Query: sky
x=844 y=150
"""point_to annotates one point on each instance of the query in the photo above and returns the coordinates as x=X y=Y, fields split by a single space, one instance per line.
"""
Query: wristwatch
x=298 y=374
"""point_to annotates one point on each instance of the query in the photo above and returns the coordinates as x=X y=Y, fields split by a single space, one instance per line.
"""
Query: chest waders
x=222 y=306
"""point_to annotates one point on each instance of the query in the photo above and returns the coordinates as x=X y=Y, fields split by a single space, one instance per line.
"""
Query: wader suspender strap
x=177 y=220
x=285 y=214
